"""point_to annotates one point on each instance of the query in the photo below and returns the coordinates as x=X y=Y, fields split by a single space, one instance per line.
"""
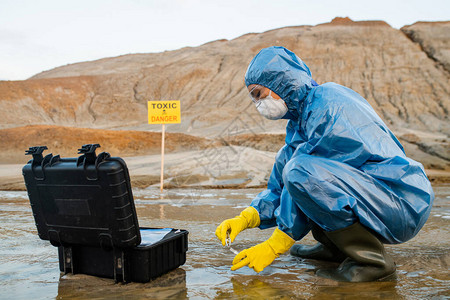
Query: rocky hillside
x=433 y=38
x=404 y=74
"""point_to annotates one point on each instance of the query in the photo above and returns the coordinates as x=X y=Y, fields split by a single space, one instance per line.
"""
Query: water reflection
x=254 y=288
x=364 y=290
x=265 y=288
x=171 y=285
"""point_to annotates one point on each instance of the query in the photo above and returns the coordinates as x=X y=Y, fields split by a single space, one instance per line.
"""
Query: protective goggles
x=258 y=92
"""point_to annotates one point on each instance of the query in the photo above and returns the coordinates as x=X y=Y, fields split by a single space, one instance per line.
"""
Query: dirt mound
x=339 y=21
x=65 y=141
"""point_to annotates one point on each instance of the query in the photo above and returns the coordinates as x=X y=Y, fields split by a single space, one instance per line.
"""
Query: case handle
x=38 y=161
x=88 y=152
x=36 y=151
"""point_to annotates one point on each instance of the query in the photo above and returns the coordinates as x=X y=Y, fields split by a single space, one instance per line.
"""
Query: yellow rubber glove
x=260 y=256
x=249 y=218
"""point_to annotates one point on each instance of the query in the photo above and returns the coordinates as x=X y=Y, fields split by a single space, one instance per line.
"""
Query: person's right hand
x=248 y=218
x=233 y=226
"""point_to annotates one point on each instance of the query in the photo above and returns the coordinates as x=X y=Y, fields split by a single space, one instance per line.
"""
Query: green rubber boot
x=323 y=250
x=367 y=260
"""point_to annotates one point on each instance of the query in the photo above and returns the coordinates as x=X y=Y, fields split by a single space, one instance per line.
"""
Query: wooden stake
x=162 y=156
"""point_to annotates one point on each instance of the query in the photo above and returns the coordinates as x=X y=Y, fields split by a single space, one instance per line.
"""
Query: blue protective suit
x=340 y=164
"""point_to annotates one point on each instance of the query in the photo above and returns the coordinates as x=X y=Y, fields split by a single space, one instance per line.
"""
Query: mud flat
x=29 y=266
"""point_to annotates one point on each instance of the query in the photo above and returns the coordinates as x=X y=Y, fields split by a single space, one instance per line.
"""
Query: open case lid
x=82 y=201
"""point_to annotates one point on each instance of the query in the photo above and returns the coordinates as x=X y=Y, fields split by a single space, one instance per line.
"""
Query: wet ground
x=29 y=266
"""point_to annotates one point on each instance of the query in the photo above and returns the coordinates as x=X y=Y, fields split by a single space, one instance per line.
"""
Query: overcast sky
x=37 y=35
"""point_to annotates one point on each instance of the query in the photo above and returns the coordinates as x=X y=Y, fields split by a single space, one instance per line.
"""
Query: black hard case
x=85 y=207
x=141 y=263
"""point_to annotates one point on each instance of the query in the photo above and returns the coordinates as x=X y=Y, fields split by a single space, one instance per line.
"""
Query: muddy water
x=29 y=266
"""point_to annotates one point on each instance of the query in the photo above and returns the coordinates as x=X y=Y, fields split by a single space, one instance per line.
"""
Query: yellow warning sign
x=164 y=112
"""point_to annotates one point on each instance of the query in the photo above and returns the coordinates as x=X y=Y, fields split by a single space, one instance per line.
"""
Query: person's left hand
x=260 y=256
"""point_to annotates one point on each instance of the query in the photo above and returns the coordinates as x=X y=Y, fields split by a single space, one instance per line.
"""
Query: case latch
x=120 y=272
x=87 y=159
x=68 y=260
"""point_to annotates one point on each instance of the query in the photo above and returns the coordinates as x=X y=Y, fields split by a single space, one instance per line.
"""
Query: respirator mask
x=268 y=107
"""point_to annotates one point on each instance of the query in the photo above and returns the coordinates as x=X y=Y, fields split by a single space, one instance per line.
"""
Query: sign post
x=164 y=112
x=163 y=133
